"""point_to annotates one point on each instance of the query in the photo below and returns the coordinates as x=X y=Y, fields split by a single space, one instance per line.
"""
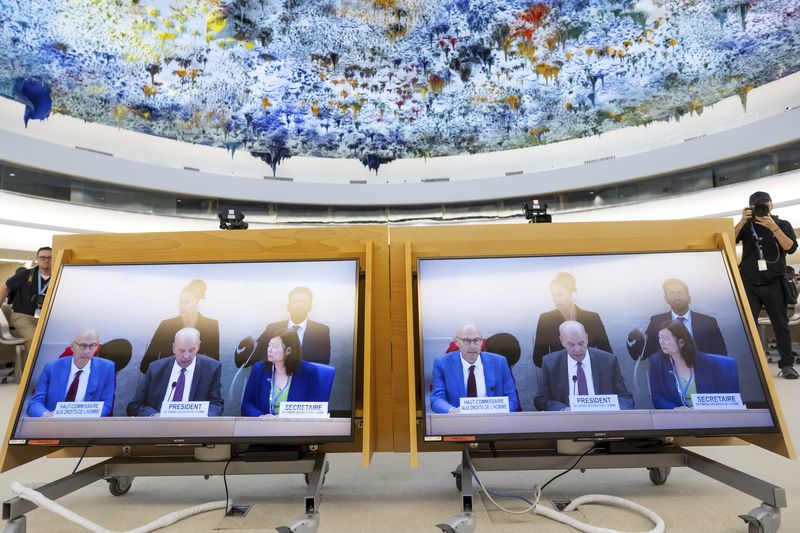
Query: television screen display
x=612 y=345
x=195 y=353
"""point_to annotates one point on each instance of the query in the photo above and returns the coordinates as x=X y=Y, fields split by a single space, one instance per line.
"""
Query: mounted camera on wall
x=536 y=212
x=231 y=219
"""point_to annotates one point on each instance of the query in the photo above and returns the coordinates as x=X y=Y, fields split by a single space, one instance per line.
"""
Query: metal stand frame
x=120 y=472
x=763 y=519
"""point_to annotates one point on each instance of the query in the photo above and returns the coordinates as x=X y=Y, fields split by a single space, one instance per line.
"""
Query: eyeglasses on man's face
x=84 y=346
x=476 y=340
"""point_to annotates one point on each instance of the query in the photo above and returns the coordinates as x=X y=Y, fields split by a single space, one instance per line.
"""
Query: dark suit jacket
x=713 y=374
x=311 y=382
x=52 y=387
x=151 y=390
x=161 y=344
x=316 y=341
x=606 y=376
x=546 y=339
x=705 y=332
x=449 y=387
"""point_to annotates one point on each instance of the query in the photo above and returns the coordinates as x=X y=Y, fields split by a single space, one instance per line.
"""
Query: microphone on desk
x=574 y=385
x=172 y=390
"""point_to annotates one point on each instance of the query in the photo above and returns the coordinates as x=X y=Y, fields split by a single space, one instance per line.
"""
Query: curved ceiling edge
x=769 y=132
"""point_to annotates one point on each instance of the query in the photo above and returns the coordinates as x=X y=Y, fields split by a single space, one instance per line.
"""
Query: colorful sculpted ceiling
x=385 y=79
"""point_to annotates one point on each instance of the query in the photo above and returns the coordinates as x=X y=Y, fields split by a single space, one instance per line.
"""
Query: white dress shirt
x=301 y=330
x=687 y=320
x=572 y=370
x=480 y=381
x=173 y=378
x=84 y=381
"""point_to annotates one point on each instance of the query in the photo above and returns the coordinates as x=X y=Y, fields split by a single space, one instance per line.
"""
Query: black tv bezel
x=584 y=435
x=55 y=441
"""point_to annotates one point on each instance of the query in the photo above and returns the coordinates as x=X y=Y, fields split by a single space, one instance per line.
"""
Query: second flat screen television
x=196 y=353
x=637 y=344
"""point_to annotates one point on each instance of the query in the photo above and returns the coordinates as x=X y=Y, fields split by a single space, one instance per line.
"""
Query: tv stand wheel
x=458 y=477
x=763 y=519
x=119 y=486
x=659 y=474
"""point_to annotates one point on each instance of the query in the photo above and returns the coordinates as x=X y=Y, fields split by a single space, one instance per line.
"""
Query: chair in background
x=504 y=344
x=118 y=351
x=6 y=338
x=764 y=323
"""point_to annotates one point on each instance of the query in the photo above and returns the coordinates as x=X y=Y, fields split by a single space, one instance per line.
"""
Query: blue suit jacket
x=606 y=376
x=449 y=386
x=311 y=382
x=52 y=387
x=205 y=386
x=705 y=332
x=713 y=374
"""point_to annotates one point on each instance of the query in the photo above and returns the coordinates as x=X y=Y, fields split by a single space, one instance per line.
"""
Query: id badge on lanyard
x=42 y=291
x=762 y=263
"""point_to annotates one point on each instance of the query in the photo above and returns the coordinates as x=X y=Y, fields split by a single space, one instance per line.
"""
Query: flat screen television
x=650 y=371
x=195 y=353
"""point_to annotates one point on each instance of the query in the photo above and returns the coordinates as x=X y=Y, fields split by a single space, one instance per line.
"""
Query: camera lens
x=760 y=210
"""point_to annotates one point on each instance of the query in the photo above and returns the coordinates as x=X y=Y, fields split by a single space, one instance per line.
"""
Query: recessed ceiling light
x=11 y=174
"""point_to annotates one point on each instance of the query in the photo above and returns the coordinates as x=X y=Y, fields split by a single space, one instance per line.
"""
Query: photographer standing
x=765 y=242
x=29 y=286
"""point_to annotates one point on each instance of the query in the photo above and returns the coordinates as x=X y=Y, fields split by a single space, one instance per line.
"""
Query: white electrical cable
x=44 y=502
x=583 y=500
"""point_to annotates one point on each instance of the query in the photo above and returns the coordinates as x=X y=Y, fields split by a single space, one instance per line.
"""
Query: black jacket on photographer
x=26 y=286
x=774 y=254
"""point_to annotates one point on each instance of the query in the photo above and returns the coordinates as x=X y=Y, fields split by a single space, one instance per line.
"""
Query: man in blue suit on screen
x=580 y=371
x=78 y=378
x=469 y=372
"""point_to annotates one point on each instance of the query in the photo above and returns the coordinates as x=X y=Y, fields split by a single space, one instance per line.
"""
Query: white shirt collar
x=301 y=324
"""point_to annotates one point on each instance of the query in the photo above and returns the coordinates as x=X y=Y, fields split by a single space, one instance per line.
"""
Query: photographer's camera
x=761 y=209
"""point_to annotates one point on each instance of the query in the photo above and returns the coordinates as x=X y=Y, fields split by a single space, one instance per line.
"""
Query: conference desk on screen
x=218 y=427
x=594 y=421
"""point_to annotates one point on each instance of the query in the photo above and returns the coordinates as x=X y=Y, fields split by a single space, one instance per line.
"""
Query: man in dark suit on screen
x=704 y=329
x=580 y=371
x=186 y=376
x=315 y=338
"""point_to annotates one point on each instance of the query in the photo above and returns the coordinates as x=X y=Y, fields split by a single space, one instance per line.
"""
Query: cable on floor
x=583 y=500
x=44 y=502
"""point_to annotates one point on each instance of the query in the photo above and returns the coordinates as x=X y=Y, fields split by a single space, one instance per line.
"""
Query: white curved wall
x=721 y=132
x=28 y=223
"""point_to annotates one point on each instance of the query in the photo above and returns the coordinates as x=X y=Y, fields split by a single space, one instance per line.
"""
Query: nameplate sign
x=717 y=401
x=489 y=404
x=598 y=402
x=304 y=410
x=78 y=410
x=184 y=409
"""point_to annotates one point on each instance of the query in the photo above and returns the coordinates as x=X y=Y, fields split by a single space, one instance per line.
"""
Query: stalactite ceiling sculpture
x=385 y=79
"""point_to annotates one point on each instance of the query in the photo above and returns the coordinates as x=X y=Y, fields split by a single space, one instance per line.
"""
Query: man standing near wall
x=30 y=286
x=766 y=240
